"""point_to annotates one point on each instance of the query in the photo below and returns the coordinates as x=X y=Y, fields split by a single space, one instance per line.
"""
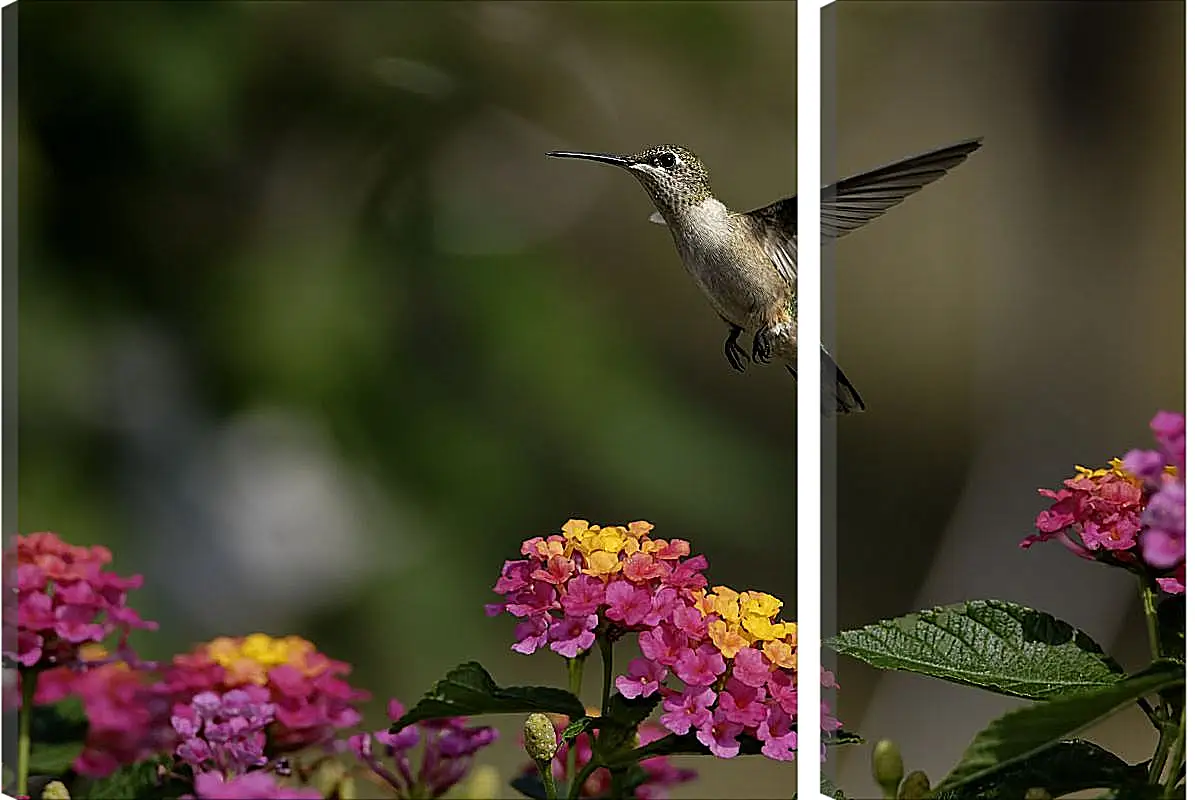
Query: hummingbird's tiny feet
x=735 y=354
x=761 y=346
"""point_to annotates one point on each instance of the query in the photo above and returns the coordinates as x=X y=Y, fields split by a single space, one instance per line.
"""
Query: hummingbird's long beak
x=603 y=158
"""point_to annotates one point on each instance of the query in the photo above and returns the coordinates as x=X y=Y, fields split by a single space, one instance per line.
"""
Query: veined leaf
x=1060 y=769
x=1026 y=732
x=990 y=644
x=468 y=690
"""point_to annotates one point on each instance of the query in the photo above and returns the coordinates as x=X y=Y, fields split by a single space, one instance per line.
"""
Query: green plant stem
x=607 y=648
x=576 y=671
x=1151 y=617
x=1176 y=758
x=545 y=777
x=1149 y=712
x=618 y=783
x=25 y=726
x=1165 y=734
x=1165 y=738
x=575 y=790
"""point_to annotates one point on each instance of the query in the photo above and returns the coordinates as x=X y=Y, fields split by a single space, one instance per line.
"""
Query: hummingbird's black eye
x=666 y=160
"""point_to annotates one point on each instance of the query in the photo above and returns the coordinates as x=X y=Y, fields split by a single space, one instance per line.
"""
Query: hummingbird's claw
x=734 y=352
x=761 y=347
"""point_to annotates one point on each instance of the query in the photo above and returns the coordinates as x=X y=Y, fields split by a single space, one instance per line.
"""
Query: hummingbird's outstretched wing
x=853 y=202
x=775 y=227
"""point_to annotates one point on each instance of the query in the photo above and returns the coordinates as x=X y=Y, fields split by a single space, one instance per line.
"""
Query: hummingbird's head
x=672 y=175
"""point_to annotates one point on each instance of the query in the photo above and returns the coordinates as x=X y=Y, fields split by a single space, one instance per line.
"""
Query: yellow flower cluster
x=743 y=619
x=1115 y=467
x=603 y=548
x=249 y=659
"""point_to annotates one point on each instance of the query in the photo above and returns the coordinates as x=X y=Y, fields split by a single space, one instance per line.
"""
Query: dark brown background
x=1020 y=316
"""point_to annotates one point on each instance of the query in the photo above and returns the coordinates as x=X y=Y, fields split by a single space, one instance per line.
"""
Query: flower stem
x=24 y=744
x=607 y=647
x=618 y=783
x=575 y=790
x=576 y=671
x=1165 y=739
x=1151 y=617
x=1176 y=758
x=545 y=777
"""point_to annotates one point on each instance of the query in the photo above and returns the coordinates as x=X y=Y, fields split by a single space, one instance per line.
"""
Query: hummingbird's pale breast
x=724 y=259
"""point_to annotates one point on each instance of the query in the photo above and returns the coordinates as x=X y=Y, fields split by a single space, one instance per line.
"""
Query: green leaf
x=830 y=790
x=577 y=727
x=631 y=712
x=1023 y=733
x=841 y=737
x=57 y=732
x=141 y=781
x=620 y=726
x=58 y=723
x=53 y=759
x=1060 y=769
x=991 y=644
x=468 y=690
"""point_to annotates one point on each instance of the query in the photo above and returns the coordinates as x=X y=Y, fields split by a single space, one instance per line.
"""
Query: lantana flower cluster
x=449 y=746
x=229 y=709
x=127 y=720
x=1163 y=475
x=310 y=698
x=1132 y=512
x=661 y=773
x=65 y=600
x=224 y=733
x=223 y=741
x=734 y=661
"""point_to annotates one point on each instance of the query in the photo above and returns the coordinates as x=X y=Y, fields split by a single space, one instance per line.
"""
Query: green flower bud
x=55 y=790
x=539 y=738
x=887 y=767
x=915 y=787
x=1037 y=793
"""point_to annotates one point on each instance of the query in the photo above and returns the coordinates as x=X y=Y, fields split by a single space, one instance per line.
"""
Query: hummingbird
x=746 y=262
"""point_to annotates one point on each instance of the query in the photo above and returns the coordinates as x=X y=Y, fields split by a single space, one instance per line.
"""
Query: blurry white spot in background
x=414 y=76
x=248 y=524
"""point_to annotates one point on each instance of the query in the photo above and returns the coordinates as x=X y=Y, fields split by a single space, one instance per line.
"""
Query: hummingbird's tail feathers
x=838 y=395
x=853 y=202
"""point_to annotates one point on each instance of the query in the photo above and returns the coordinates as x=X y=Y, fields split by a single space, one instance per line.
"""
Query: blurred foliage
x=312 y=334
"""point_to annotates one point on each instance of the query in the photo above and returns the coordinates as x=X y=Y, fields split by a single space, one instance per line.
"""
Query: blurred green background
x=1022 y=315
x=313 y=336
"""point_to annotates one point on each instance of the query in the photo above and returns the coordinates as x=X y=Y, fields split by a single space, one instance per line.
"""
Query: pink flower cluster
x=449 y=746
x=223 y=741
x=736 y=664
x=127 y=720
x=310 y=698
x=830 y=723
x=1164 y=538
x=661 y=772
x=1131 y=513
x=65 y=599
x=224 y=733
x=259 y=785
